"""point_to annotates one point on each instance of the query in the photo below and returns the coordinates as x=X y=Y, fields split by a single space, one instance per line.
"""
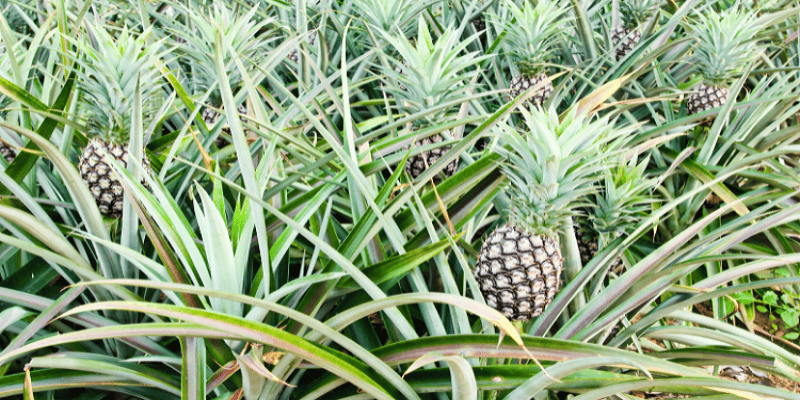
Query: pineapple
x=431 y=73
x=110 y=72
x=7 y=152
x=626 y=36
x=621 y=204
x=552 y=165
x=726 y=44
x=531 y=33
x=244 y=38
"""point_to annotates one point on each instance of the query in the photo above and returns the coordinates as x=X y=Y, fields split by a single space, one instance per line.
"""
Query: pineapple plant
x=551 y=167
x=245 y=38
x=110 y=70
x=626 y=36
x=617 y=208
x=427 y=74
x=726 y=44
x=531 y=33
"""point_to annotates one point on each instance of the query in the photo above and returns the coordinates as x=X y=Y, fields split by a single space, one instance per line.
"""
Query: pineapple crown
x=636 y=12
x=430 y=73
x=553 y=165
x=391 y=16
x=726 y=43
x=236 y=35
x=624 y=200
x=109 y=72
x=531 y=32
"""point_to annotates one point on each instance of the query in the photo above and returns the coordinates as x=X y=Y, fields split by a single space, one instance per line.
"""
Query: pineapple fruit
x=626 y=36
x=110 y=72
x=7 y=152
x=551 y=166
x=531 y=32
x=431 y=73
x=726 y=44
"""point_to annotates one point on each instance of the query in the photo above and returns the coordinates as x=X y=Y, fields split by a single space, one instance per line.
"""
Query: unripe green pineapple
x=531 y=33
x=626 y=36
x=551 y=166
x=111 y=69
x=427 y=74
x=726 y=44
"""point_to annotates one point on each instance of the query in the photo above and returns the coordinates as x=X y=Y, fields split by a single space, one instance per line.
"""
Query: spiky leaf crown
x=237 y=36
x=624 y=200
x=553 y=165
x=110 y=70
x=726 y=43
x=389 y=16
x=636 y=12
x=531 y=32
x=432 y=72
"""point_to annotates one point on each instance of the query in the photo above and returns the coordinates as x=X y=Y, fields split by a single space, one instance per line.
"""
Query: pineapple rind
x=705 y=98
x=519 y=273
x=99 y=176
x=521 y=83
x=417 y=164
x=7 y=152
x=624 y=40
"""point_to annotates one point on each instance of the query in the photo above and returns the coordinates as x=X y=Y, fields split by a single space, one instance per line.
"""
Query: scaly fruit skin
x=519 y=274
x=588 y=249
x=312 y=39
x=520 y=84
x=706 y=97
x=624 y=40
x=97 y=173
x=210 y=117
x=416 y=164
x=7 y=152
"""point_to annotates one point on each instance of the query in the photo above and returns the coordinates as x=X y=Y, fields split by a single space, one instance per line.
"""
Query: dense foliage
x=467 y=199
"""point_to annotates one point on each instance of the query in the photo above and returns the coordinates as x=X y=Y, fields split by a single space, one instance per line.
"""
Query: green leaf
x=400 y=265
x=791 y=336
x=465 y=386
x=744 y=298
x=770 y=298
x=193 y=368
x=790 y=317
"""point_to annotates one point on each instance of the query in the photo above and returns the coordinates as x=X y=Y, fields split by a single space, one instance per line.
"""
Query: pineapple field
x=400 y=199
